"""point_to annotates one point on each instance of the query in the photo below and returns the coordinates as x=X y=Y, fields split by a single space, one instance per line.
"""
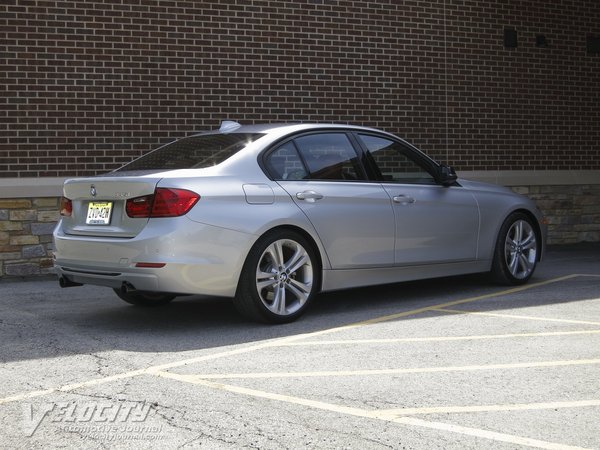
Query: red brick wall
x=87 y=85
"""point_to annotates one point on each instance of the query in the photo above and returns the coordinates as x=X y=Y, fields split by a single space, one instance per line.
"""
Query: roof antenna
x=228 y=126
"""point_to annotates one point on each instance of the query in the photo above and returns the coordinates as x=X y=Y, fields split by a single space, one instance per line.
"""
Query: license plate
x=99 y=213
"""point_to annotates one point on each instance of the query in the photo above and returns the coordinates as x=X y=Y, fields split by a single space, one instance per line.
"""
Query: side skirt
x=343 y=279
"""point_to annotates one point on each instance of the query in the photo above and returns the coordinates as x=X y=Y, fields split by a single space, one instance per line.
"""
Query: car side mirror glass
x=446 y=175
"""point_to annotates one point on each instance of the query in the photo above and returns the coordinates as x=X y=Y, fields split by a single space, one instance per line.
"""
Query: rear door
x=353 y=217
x=433 y=223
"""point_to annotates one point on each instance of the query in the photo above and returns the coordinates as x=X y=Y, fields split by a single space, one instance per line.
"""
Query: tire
x=517 y=251
x=145 y=298
x=280 y=277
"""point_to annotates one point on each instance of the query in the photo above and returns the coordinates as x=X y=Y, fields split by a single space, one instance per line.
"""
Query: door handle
x=309 y=196
x=403 y=199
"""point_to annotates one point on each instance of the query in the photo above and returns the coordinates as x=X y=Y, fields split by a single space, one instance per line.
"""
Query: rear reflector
x=165 y=202
x=149 y=265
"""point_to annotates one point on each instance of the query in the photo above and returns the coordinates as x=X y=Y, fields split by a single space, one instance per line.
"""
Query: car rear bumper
x=197 y=258
x=84 y=275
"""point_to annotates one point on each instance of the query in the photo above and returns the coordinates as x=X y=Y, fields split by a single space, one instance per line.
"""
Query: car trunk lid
x=99 y=205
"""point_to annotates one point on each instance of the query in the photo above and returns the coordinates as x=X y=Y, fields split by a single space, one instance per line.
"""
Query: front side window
x=196 y=152
x=329 y=156
x=395 y=161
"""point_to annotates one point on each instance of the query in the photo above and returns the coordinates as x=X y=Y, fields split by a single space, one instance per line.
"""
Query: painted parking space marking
x=393 y=415
x=275 y=342
x=394 y=316
x=515 y=316
x=399 y=416
x=489 y=408
x=71 y=386
x=436 y=338
x=358 y=412
x=397 y=371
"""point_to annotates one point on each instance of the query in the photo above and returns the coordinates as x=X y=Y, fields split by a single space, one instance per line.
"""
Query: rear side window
x=196 y=152
x=285 y=163
x=329 y=156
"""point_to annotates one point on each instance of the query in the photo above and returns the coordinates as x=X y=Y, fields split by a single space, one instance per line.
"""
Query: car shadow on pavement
x=40 y=320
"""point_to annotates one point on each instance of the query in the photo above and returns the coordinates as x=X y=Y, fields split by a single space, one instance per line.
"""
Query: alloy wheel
x=284 y=277
x=520 y=249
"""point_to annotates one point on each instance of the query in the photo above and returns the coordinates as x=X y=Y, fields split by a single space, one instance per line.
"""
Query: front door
x=433 y=223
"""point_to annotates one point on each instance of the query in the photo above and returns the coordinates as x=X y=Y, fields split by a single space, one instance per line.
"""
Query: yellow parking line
x=193 y=379
x=436 y=338
x=72 y=386
x=485 y=434
x=515 y=316
x=272 y=343
x=369 y=372
x=358 y=412
x=452 y=303
x=487 y=408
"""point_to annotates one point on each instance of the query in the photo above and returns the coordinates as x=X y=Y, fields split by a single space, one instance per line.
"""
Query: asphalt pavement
x=452 y=363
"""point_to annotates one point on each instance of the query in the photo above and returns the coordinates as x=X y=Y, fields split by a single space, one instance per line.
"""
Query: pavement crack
x=101 y=363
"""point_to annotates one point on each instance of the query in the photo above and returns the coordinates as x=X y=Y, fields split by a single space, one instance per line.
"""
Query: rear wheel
x=280 y=277
x=516 y=253
x=144 y=298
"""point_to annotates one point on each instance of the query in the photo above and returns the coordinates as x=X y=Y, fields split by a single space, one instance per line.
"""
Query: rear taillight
x=140 y=206
x=66 y=207
x=169 y=202
x=165 y=202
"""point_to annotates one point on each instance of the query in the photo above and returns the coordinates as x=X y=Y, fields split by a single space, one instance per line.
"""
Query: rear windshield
x=196 y=152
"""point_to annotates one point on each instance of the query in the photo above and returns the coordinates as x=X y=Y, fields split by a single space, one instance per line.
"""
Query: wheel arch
x=250 y=302
x=321 y=258
x=501 y=218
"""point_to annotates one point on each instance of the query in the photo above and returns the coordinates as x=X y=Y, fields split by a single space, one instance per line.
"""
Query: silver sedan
x=273 y=214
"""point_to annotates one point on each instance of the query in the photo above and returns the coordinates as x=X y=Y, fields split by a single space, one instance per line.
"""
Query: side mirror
x=446 y=175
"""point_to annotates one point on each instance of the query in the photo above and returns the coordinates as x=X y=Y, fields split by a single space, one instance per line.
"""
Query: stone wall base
x=573 y=211
x=26 y=224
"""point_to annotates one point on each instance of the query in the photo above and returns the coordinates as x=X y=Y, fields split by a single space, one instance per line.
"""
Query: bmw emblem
x=93 y=190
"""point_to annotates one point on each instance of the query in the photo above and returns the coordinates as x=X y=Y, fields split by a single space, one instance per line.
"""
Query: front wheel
x=144 y=298
x=280 y=277
x=517 y=249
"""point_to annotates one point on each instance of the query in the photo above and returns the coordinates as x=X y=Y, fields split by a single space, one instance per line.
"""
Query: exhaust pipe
x=127 y=288
x=64 y=282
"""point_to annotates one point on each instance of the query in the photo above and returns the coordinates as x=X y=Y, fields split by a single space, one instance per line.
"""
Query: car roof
x=284 y=128
x=274 y=131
